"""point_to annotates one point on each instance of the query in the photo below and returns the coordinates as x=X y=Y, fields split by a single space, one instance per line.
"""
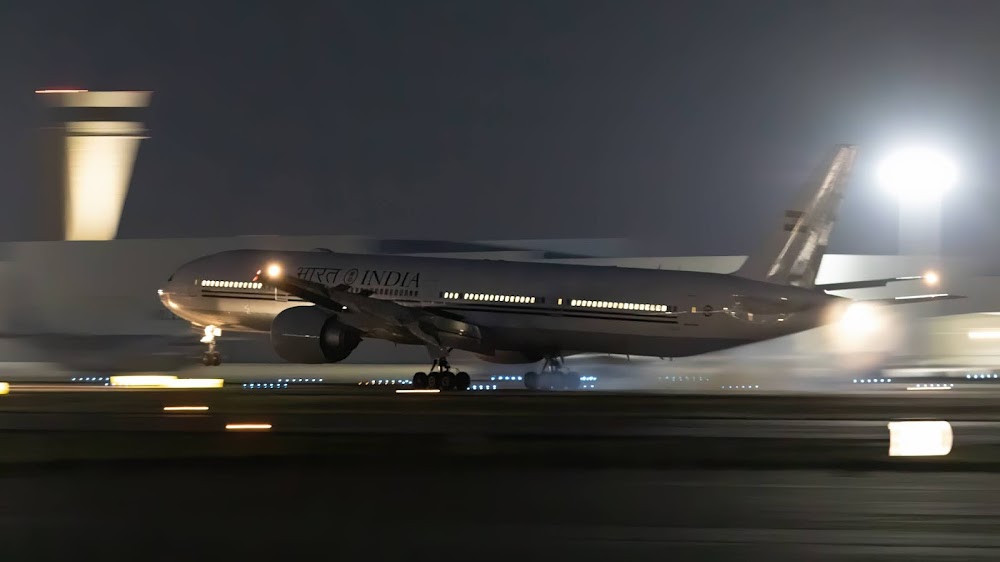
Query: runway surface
x=364 y=473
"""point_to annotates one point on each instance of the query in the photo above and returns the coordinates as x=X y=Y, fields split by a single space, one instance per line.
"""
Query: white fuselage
x=522 y=307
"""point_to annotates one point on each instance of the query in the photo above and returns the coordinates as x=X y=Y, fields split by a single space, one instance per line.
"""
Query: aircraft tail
x=792 y=255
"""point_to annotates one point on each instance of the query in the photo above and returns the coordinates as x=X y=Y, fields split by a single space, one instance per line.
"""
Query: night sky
x=688 y=123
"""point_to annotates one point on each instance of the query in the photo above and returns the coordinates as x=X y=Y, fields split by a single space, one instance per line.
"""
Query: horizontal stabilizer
x=869 y=284
x=914 y=299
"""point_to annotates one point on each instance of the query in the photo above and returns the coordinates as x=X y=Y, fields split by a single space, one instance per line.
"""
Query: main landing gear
x=552 y=377
x=211 y=358
x=441 y=377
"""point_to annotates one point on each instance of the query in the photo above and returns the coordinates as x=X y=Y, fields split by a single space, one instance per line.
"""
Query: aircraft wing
x=868 y=284
x=385 y=318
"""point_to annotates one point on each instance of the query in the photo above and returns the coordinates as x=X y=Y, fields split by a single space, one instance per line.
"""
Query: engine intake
x=307 y=334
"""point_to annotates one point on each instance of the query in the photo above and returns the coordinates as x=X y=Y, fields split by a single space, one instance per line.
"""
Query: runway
x=273 y=510
x=365 y=473
x=774 y=429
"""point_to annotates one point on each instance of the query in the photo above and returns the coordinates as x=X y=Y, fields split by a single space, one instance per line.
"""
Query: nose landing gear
x=211 y=358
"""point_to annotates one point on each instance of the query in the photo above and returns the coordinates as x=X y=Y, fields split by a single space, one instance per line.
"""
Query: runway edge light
x=185 y=408
x=248 y=426
x=163 y=381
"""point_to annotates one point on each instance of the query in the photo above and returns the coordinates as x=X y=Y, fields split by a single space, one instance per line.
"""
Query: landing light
x=274 y=270
x=860 y=318
x=211 y=332
x=932 y=278
x=4 y=388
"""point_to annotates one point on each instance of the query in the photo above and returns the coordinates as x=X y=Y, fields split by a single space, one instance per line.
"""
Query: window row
x=394 y=292
x=624 y=305
x=231 y=284
x=492 y=298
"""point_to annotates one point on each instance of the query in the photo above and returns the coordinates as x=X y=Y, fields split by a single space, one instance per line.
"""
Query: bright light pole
x=919 y=178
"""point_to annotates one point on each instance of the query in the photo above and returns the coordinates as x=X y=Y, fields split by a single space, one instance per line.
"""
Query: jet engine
x=307 y=334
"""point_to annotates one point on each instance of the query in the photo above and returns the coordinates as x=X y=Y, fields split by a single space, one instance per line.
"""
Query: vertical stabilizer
x=792 y=255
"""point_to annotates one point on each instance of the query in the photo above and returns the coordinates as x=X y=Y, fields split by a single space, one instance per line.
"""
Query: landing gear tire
x=420 y=381
x=552 y=377
x=531 y=381
x=211 y=357
x=441 y=377
x=447 y=381
x=556 y=381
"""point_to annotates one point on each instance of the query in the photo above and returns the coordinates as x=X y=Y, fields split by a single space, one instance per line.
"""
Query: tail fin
x=792 y=255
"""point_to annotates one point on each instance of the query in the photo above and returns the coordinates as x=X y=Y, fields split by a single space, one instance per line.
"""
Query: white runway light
x=919 y=438
x=185 y=408
x=163 y=381
x=248 y=426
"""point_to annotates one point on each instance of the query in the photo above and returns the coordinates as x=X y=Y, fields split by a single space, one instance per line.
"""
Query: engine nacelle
x=511 y=357
x=307 y=334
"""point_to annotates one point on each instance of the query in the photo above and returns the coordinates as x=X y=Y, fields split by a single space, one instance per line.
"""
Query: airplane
x=318 y=306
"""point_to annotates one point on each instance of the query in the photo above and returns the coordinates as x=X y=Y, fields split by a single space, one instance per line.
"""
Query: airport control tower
x=88 y=148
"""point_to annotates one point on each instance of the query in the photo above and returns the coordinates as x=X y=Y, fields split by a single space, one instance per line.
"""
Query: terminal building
x=76 y=278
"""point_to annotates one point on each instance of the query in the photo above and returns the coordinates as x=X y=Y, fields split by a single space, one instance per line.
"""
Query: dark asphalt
x=290 y=511
x=349 y=473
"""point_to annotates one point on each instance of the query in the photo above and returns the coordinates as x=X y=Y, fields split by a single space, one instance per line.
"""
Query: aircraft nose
x=172 y=286
x=167 y=285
